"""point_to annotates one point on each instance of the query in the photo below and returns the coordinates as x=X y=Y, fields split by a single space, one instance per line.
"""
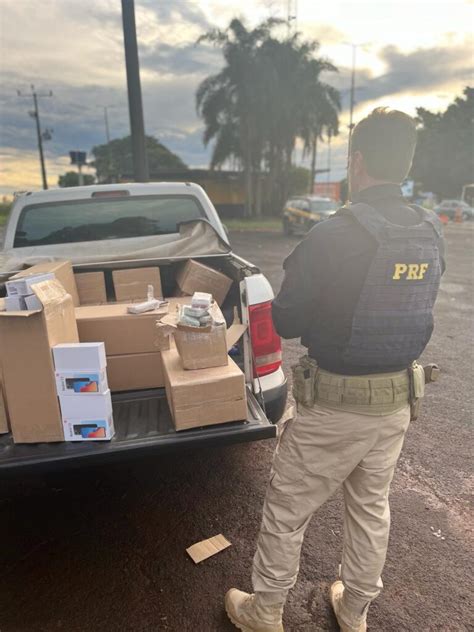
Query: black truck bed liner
x=143 y=425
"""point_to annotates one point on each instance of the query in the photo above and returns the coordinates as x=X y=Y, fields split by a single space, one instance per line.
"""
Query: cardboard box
x=22 y=286
x=62 y=270
x=4 y=427
x=135 y=372
x=28 y=370
x=131 y=284
x=204 y=397
x=196 y=277
x=121 y=332
x=205 y=347
x=91 y=288
x=81 y=355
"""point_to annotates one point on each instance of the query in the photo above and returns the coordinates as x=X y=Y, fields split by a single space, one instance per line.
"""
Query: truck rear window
x=107 y=218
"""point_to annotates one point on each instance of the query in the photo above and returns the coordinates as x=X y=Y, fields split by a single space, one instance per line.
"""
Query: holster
x=417 y=380
x=304 y=378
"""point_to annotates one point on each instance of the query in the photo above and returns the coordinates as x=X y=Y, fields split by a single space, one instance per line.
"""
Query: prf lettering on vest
x=410 y=271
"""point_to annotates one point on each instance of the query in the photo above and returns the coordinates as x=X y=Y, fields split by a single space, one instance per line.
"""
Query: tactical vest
x=394 y=314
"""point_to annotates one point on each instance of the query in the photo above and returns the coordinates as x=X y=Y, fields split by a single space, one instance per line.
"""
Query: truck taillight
x=266 y=343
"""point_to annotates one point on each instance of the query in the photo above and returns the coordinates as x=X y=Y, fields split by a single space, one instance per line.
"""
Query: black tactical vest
x=394 y=315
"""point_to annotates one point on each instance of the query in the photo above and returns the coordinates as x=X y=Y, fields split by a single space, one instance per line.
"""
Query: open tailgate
x=143 y=425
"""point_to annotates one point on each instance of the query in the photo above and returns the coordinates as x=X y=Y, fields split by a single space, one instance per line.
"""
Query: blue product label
x=83 y=383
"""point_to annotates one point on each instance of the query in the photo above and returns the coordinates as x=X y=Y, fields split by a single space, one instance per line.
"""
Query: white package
x=201 y=299
x=33 y=303
x=86 y=408
x=79 y=356
x=22 y=286
x=14 y=303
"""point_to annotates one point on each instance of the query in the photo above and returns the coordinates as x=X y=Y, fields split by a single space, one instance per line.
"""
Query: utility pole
x=47 y=134
x=328 y=178
x=140 y=160
x=292 y=15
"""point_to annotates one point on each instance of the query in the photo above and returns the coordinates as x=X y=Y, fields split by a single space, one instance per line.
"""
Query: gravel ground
x=103 y=549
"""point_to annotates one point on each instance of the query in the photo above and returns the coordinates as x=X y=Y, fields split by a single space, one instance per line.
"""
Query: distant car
x=301 y=213
x=449 y=207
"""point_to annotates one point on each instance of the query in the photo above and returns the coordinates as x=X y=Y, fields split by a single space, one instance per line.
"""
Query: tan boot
x=247 y=614
x=348 y=622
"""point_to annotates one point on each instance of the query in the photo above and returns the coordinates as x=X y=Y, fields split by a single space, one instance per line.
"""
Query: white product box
x=14 y=303
x=89 y=430
x=79 y=356
x=32 y=302
x=81 y=382
x=87 y=418
x=79 y=407
x=22 y=285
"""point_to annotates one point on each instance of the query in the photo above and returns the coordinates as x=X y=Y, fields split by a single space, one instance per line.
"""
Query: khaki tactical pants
x=319 y=451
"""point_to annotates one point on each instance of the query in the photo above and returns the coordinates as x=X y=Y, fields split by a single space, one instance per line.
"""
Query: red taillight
x=266 y=343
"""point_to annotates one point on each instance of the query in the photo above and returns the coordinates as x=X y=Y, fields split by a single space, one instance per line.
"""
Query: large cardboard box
x=62 y=270
x=203 y=397
x=196 y=277
x=91 y=288
x=28 y=370
x=131 y=284
x=135 y=371
x=122 y=333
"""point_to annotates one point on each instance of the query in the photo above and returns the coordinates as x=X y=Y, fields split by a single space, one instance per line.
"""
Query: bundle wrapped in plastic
x=200 y=313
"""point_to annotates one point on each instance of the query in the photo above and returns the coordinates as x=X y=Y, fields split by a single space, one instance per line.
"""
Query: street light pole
x=140 y=161
x=35 y=115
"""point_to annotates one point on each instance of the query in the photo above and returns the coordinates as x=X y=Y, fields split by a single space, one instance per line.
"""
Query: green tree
x=71 y=179
x=263 y=99
x=113 y=160
x=444 y=157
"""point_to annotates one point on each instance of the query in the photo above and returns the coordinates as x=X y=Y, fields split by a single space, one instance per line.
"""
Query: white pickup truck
x=105 y=227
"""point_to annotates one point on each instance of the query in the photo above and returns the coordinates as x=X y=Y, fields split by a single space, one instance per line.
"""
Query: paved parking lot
x=103 y=549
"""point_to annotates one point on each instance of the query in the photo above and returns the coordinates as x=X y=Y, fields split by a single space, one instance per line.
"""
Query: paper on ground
x=207 y=548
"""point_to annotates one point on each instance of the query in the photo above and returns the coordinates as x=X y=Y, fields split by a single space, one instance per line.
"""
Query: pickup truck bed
x=143 y=426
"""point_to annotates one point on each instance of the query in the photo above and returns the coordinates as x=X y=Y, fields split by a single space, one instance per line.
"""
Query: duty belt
x=374 y=394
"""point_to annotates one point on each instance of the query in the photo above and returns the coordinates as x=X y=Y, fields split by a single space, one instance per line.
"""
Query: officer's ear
x=358 y=164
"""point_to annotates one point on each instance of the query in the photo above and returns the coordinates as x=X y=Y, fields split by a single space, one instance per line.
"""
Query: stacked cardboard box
x=133 y=343
x=84 y=396
x=194 y=276
x=27 y=338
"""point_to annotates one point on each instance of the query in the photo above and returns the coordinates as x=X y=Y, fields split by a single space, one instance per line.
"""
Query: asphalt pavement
x=103 y=549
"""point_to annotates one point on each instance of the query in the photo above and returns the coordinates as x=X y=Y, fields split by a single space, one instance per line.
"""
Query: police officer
x=359 y=291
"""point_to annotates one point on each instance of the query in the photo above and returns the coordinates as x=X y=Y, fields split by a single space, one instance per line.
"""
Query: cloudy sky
x=410 y=53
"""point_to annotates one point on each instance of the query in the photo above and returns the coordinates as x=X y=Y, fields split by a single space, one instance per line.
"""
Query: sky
x=410 y=53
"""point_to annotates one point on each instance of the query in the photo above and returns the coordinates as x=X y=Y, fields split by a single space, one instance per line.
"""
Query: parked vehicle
x=301 y=213
x=96 y=227
x=449 y=208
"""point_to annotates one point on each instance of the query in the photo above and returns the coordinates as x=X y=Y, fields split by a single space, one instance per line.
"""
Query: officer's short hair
x=386 y=139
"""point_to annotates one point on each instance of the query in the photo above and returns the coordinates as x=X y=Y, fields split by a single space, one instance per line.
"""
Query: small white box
x=81 y=382
x=87 y=418
x=79 y=356
x=22 y=285
x=79 y=407
x=89 y=430
x=33 y=303
x=14 y=303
